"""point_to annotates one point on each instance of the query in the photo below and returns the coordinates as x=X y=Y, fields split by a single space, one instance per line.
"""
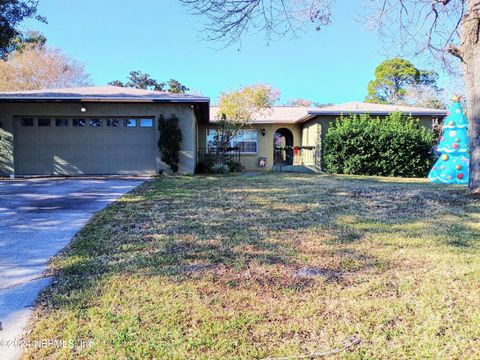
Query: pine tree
x=453 y=165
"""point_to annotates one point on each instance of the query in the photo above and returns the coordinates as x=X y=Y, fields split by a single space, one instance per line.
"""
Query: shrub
x=207 y=165
x=220 y=169
x=169 y=142
x=393 y=146
x=204 y=166
x=234 y=166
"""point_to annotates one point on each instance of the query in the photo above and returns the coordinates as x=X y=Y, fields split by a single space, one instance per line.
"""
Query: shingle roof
x=358 y=107
x=298 y=114
x=100 y=93
x=277 y=114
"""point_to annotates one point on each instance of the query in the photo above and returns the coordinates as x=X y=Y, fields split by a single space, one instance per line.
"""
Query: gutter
x=104 y=99
x=313 y=114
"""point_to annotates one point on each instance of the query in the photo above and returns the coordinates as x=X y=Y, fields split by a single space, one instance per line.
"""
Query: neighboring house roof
x=99 y=93
x=274 y=115
x=110 y=94
x=299 y=114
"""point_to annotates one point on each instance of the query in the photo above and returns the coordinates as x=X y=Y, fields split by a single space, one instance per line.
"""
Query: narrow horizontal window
x=113 y=123
x=61 y=122
x=96 y=122
x=79 y=123
x=131 y=123
x=146 y=122
x=43 y=122
x=27 y=121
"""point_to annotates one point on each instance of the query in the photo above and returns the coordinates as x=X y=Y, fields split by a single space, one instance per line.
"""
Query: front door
x=283 y=147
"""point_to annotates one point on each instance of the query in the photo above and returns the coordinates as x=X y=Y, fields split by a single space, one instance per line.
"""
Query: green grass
x=276 y=265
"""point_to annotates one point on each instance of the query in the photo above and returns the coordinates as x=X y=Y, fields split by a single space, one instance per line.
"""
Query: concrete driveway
x=38 y=218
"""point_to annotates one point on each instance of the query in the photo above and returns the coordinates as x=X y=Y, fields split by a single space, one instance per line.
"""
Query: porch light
x=83 y=109
x=264 y=132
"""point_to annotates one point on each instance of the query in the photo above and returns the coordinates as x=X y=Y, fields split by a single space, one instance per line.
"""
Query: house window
x=131 y=123
x=43 y=122
x=27 y=121
x=245 y=140
x=146 y=122
x=96 y=122
x=113 y=123
x=61 y=122
x=79 y=123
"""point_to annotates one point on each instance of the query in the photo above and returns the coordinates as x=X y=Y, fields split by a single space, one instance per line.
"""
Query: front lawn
x=271 y=266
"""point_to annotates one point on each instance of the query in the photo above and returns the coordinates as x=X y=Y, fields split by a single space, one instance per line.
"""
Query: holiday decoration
x=453 y=165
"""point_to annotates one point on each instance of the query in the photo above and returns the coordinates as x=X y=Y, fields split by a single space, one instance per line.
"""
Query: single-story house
x=291 y=137
x=113 y=130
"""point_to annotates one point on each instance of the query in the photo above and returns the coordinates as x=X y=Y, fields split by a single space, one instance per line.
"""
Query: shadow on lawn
x=219 y=226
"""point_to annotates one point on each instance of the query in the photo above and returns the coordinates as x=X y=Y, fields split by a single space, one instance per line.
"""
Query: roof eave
x=201 y=106
x=305 y=118
x=312 y=114
x=102 y=99
x=262 y=122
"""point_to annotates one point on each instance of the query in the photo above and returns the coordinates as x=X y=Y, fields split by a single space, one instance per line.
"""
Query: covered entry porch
x=289 y=157
x=264 y=147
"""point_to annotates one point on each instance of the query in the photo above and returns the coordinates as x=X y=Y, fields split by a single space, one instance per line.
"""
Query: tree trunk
x=470 y=52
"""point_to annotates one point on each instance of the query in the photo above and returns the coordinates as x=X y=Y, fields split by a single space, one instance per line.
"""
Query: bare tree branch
x=229 y=20
x=409 y=26
x=421 y=26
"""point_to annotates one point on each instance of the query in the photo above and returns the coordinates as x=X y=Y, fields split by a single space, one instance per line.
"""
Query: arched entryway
x=283 y=147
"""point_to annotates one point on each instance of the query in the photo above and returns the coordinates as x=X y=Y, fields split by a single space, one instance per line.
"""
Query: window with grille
x=245 y=140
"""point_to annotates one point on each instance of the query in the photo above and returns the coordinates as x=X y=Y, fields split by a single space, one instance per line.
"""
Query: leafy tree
x=29 y=39
x=116 y=83
x=12 y=13
x=170 y=140
x=236 y=110
x=393 y=77
x=176 y=87
x=36 y=68
x=321 y=105
x=436 y=28
x=299 y=102
x=140 y=80
x=307 y=103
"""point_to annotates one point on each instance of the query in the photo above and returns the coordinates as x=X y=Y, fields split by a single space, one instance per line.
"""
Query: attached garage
x=93 y=131
x=74 y=146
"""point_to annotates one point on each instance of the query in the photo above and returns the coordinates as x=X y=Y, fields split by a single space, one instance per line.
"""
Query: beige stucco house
x=94 y=130
x=113 y=130
x=291 y=138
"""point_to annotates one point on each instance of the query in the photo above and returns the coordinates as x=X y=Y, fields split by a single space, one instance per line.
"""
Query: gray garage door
x=90 y=146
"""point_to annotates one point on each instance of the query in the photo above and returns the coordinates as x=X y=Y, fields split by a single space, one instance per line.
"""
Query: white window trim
x=241 y=152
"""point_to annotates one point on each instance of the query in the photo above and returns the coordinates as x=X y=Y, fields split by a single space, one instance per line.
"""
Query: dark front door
x=283 y=147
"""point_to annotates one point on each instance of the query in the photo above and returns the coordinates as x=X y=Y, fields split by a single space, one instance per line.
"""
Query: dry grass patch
x=271 y=266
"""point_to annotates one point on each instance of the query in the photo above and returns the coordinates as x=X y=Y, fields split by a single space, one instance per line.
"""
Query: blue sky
x=161 y=38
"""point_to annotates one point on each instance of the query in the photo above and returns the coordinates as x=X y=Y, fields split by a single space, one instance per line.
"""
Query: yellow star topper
x=457 y=98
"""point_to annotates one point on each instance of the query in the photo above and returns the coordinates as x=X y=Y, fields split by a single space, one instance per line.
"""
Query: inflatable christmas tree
x=453 y=165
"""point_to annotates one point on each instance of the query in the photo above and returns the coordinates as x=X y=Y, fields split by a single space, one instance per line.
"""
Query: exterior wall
x=312 y=136
x=185 y=114
x=310 y=133
x=265 y=143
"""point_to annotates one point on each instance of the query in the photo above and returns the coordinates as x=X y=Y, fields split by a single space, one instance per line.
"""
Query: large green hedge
x=392 y=146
